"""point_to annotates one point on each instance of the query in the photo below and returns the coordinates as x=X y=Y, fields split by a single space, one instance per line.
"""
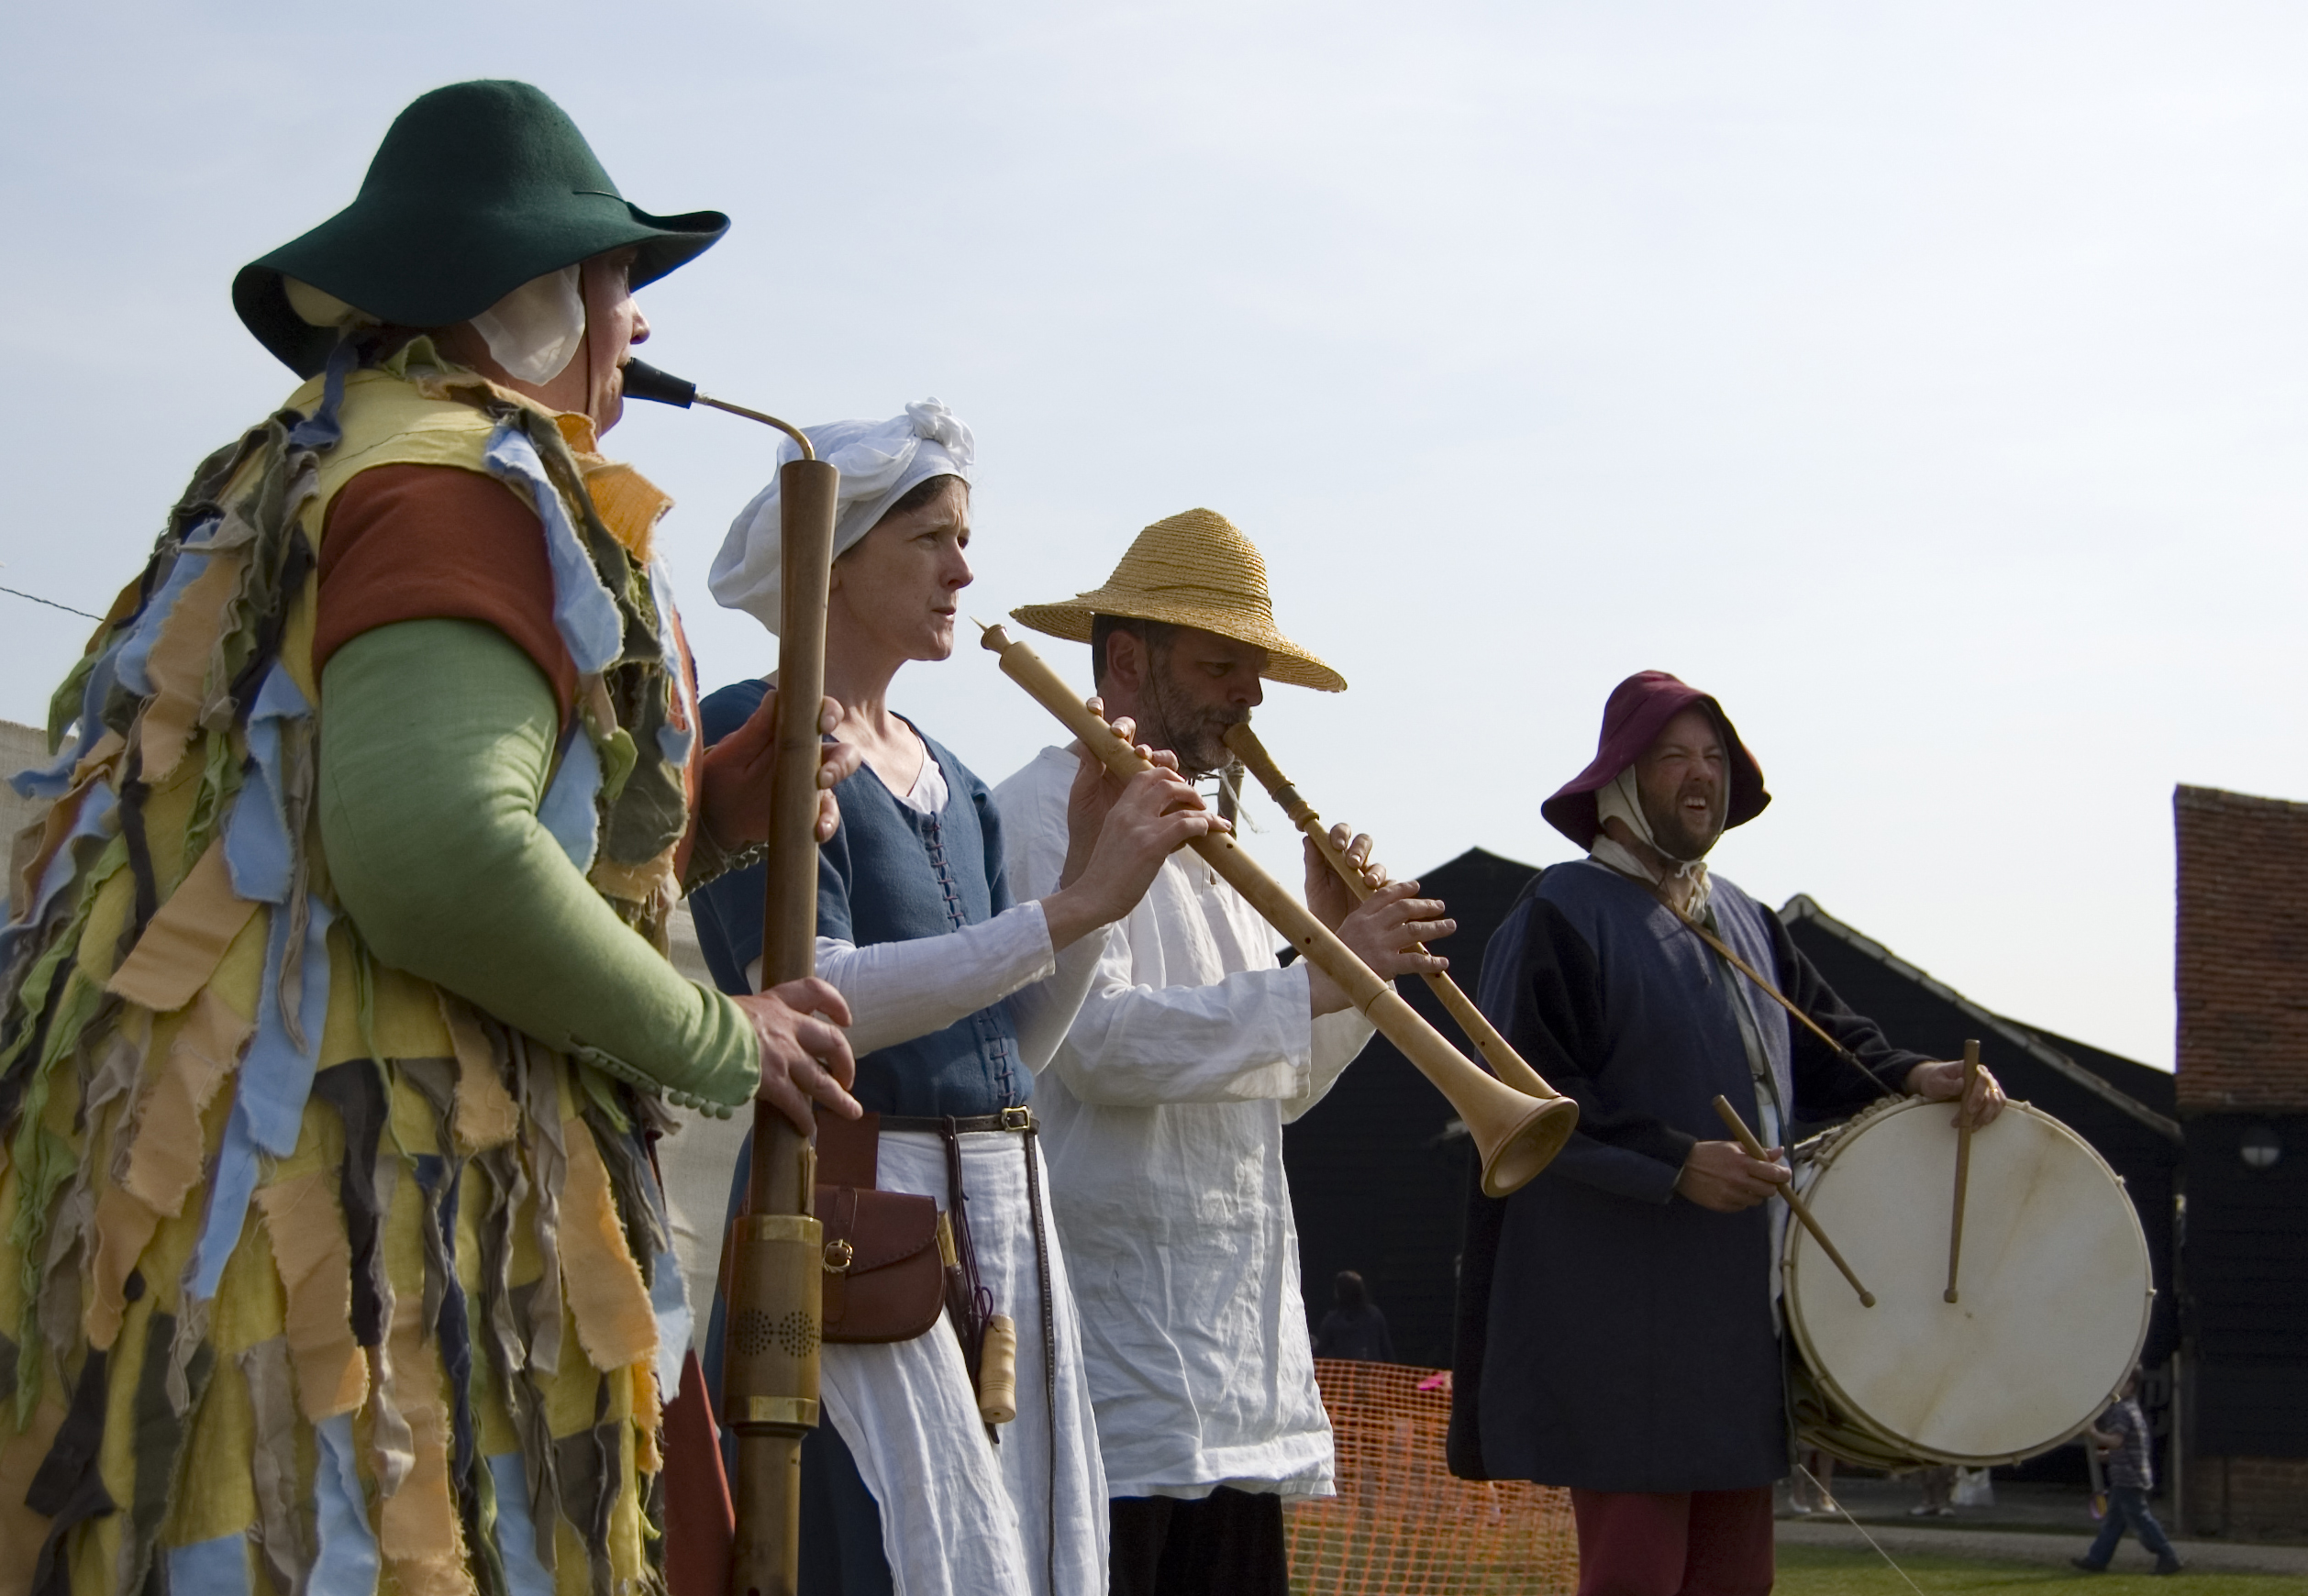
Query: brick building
x=2242 y=1093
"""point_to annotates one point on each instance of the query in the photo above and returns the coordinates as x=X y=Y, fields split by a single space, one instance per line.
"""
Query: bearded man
x=1163 y=1123
x=1618 y=1318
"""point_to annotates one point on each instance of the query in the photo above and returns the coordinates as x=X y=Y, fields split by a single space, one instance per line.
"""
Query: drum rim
x=1852 y=1414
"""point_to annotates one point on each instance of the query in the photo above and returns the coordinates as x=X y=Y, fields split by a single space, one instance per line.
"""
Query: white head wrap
x=880 y=462
x=536 y=330
x=1686 y=880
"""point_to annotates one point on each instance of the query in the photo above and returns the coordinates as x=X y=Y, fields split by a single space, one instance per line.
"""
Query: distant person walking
x=2122 y=1436
x=1354 y=1328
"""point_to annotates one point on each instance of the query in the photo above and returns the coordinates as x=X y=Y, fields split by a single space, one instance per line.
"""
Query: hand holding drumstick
x=1723 y=1177
x=1730 y=1117
x=1980 y=1094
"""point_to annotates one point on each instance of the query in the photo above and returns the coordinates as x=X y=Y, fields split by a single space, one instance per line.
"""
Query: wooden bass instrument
x=776 y=1261
x=1517 y=1133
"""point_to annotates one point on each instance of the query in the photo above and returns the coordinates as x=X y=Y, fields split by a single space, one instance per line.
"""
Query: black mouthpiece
x=643 y=381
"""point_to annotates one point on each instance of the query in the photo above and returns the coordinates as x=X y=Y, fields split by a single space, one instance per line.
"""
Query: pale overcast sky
x=1925 y=380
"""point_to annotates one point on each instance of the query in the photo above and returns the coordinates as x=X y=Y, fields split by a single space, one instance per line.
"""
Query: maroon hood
x=1638 y=710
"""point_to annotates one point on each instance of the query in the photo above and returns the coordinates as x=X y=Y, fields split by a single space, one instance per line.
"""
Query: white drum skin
x=2053 y=1297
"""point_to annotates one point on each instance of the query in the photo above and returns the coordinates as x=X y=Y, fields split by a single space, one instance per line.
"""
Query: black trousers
x=1228 y=1544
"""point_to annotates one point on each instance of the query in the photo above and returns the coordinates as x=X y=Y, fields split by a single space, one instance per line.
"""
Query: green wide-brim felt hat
x=477 y=188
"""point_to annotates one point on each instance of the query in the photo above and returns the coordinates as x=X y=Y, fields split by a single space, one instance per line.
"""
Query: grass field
x=1822 y=1572
x=1351 y=1567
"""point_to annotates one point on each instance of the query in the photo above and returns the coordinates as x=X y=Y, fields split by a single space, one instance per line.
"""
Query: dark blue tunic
x=1612 y=1335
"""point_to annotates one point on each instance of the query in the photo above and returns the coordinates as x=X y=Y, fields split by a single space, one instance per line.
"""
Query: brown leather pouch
x=885 y=1269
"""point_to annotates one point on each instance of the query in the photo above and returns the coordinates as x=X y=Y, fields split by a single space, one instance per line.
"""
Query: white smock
x=1163 y=1117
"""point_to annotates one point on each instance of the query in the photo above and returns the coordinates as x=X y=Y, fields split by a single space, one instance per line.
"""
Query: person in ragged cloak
x=334 y=1025
x=1618 y=1316
x=960 y=995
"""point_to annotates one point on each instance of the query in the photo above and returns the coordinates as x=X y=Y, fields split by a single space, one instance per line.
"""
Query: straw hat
x=1193 y=570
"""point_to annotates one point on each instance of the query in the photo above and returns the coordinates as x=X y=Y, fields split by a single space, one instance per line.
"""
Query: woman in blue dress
x=958 y=997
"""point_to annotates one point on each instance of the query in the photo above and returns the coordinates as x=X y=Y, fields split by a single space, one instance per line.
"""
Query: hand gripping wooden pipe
x=776 y=1261
x=1517 y=1133
x=1505 y=1061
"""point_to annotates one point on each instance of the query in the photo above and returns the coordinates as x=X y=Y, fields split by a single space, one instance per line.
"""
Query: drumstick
x=1730 y=1117
x=1963 y=1162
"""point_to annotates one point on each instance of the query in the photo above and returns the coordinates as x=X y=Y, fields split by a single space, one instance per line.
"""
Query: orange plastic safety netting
x=1402 y=1524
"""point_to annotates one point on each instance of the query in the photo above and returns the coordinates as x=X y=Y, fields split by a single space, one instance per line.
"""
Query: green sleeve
x=437 y=744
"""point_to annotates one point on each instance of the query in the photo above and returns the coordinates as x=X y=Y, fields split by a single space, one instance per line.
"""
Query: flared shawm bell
x=1191 y=570
x=477 y=188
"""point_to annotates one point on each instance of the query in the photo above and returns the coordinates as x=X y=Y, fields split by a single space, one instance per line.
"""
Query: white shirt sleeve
x=1045 y=1010
x=1339 y=1039
x=898 y=990
x=1247 y=1037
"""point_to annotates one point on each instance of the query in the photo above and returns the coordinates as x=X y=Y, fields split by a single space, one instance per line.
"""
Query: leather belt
x=1009 y=1119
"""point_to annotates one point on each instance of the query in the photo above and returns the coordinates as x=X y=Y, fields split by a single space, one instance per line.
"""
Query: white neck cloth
x=536 y=330
x=879 y=461
x=1685 y=881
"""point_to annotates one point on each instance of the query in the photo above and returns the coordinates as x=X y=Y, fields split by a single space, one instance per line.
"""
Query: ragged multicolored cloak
x=312 y=1275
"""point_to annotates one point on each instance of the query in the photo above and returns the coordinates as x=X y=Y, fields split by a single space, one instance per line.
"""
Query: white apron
x=959 y=1515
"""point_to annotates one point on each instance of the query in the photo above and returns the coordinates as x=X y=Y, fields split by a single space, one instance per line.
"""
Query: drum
x=2052 y=1302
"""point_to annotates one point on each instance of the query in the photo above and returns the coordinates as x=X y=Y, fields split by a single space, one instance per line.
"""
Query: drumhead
x=2052 y=1296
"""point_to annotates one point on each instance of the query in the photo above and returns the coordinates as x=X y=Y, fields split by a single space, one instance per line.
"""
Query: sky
x=1924 y=380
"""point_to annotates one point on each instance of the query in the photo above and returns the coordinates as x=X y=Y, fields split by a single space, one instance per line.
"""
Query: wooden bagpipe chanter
x=776 y=1251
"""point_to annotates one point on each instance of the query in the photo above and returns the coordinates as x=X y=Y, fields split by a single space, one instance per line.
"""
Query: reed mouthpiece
x=643 y=381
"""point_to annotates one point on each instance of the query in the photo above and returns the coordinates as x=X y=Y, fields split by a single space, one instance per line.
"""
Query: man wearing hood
x=1618 y=1318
